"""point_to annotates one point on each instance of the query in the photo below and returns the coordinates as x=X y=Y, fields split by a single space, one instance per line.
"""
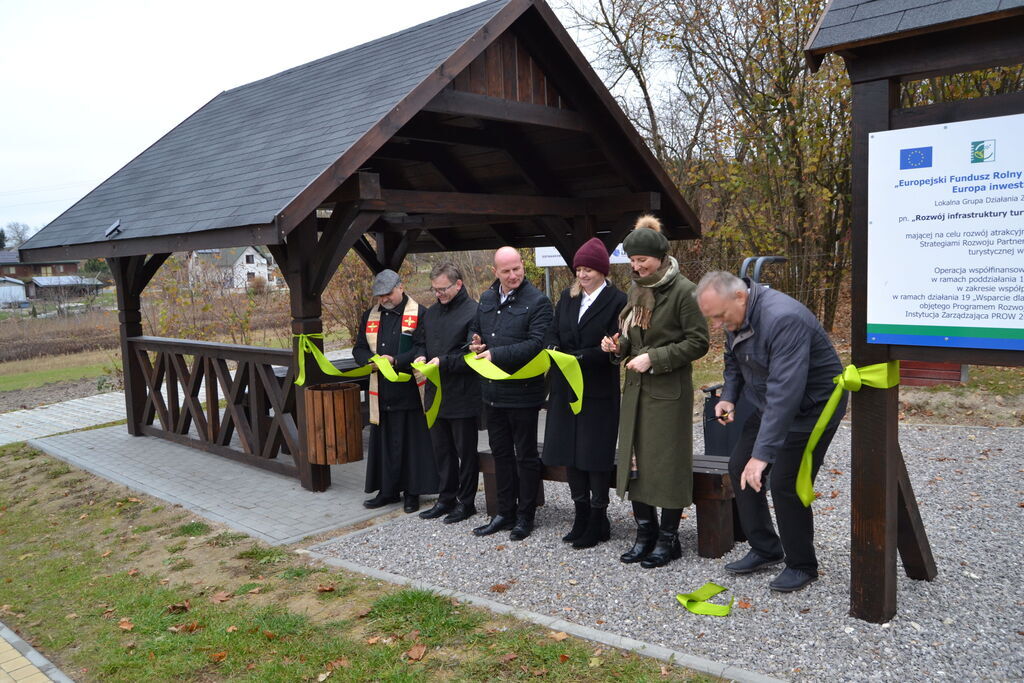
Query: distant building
x=63 y=287
x=11 y=266
x=234 y=268
x=12 y=292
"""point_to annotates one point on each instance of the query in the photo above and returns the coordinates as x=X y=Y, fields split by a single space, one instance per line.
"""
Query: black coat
x=514 y=333
x=394 y=395
x=585 y=441
x=445 y=328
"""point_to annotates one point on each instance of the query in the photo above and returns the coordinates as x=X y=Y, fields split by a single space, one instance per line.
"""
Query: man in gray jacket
x=778 y=354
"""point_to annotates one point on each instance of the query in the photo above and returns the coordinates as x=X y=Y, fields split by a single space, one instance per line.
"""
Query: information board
x=946 y=235
x=548 y=257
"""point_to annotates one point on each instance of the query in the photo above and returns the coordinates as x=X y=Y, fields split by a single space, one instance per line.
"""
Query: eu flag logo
x=915 y=157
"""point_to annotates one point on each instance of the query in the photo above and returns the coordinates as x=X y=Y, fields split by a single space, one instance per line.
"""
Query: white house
x=233 y=268
x=12 y=292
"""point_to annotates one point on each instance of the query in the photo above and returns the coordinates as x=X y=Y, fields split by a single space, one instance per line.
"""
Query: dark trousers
x=512 y=433
x=588 y=487
x=795 y=539
x=458 y=463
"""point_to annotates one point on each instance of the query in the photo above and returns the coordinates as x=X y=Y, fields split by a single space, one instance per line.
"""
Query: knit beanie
x=592 y=255
x=646 y=239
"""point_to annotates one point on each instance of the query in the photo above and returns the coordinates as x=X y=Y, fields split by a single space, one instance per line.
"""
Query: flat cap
x=385 y=281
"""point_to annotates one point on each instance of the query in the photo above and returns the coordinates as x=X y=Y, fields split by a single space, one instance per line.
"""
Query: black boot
x=646 y=533
x=667 y=548
x=579 y=524
x=523 y=527
x=598 y=529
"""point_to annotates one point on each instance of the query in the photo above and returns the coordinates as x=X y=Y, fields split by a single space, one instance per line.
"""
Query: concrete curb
x=48 y=668
x=723 y=671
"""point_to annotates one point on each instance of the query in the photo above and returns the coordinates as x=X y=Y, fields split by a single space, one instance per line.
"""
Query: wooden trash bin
x=334 y=423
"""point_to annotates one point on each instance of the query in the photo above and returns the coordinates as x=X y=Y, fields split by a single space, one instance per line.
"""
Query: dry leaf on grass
x=190 y=627
x=340 y=663
x=505 y=659
x=563 y=658
x=221 y=596
x=373 y=640
x=107 y=554
x=179 y=607
x=363 y=612
x=125 y=624
x=218 y=656
x=325 y=588
x=231 y=629
x=416 y=652
x=133 y=572
x=270 y=635
x=559 y=636
x=256 y=591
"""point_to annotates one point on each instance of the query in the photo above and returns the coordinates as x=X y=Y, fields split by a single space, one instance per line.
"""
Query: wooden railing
x=235 y=401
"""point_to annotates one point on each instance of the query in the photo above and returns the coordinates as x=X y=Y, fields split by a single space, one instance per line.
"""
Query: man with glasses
x=454 y=434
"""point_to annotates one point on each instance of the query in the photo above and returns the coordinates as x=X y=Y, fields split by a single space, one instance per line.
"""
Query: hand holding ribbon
x=879 y=376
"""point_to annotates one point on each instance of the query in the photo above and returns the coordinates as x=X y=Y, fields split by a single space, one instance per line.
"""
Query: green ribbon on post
x=879 y=376
x=306 y=345
x=433 y=375
x=697 y=601
x=537 y=366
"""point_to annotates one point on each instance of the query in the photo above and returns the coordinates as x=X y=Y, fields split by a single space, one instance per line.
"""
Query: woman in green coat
x=662 y=332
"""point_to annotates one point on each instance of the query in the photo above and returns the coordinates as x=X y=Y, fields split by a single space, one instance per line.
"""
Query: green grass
x=226 y=539
x=38 y=378
x=262 y=555
x=435 y=617
x=192 y=529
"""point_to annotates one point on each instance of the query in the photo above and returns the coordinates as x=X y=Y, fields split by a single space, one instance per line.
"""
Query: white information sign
x=946 y=235
x=548 y=257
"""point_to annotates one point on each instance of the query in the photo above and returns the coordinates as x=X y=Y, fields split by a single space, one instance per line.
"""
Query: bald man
x=511 y=322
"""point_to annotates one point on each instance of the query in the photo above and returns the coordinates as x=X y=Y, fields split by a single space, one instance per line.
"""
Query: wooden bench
x=717 y=526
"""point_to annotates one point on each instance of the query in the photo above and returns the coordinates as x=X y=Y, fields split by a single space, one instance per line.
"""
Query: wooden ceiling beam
x=470 y=204
x=475 y=106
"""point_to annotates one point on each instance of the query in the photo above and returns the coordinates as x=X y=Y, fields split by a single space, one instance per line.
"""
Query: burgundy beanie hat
x=592 y=254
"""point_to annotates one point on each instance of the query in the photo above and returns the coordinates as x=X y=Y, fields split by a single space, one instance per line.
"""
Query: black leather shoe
x=646 y=537
x=497 y=523
x=379 y=501
x=460 y=514
x=598 y=530
x=439 y=510
x=752 y=562
x=522 y=529
x=412 y=503
x=791 y=580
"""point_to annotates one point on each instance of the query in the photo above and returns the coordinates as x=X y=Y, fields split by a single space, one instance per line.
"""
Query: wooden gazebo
x=885 y=43
x=482 y=128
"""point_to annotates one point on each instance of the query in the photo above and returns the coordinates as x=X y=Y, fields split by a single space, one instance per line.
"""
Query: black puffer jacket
x=445 y=327
x=514 y=333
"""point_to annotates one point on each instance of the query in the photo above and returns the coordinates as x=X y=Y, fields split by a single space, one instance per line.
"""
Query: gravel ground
x=968 y=624
x=57 y=392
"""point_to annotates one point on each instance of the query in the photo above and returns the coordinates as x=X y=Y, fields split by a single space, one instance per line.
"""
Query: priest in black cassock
x=400 y=460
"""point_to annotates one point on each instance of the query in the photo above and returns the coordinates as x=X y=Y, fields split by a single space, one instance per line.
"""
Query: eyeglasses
x=442 y=290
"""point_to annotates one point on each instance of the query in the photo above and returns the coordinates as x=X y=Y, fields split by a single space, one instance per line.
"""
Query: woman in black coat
x=585 y=443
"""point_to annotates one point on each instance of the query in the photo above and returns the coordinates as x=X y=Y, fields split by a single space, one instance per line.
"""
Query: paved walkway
x=20 y=662
x=269 y=506
x=22 y=425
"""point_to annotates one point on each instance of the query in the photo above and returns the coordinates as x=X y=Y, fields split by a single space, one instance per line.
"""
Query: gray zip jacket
x=784 y=361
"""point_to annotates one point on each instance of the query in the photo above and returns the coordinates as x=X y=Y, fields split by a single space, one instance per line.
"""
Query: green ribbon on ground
x=378 y=363
x=433 y=375
x=879 y=376
x=538 y=365
x=697 y=601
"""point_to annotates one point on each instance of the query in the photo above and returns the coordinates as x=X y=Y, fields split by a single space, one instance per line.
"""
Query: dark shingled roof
x=849 y=23
x=218 y=169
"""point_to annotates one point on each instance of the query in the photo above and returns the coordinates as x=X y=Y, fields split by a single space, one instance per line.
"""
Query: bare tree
x=17 y=233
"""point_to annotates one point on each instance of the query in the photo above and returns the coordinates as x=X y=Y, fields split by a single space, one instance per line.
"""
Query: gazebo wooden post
x=131 y=275
x=298 y=262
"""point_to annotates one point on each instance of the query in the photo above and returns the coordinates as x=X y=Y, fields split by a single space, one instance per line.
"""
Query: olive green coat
x=656 y=418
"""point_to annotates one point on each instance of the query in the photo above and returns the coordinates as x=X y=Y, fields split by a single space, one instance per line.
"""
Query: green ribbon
x=537 y=366
x=697 y=601
x=433 y=375
x=379 y=363
x=879 y=376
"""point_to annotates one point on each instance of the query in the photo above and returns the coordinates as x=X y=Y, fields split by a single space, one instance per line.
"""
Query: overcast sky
x=86 y=85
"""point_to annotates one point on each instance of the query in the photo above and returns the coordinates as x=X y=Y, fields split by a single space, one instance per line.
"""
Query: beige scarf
x=640 y=299
x=410 y=319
